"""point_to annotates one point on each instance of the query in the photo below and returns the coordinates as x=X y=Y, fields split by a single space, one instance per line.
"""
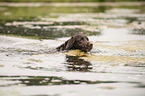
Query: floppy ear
x=70 y=43
x=67 y=45
x=87 y=38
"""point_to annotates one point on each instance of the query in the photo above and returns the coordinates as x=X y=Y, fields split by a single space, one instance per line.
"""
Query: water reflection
x=139 y=31
x=10 y=51
x=43 y=32
x=73 y=63
x=102 y=8
x=51 y=80
x=19 y=13
x=44 y=80
x=131 y=19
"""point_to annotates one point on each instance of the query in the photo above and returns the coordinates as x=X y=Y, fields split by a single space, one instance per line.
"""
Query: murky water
x=30 y=65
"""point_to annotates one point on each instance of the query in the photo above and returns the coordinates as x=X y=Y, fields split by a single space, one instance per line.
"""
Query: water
x=31 y=66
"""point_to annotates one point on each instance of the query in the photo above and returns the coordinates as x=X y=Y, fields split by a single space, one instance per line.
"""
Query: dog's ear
x=87 y=38
x=69 y=43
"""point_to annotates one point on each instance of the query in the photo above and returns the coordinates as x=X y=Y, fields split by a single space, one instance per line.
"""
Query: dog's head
x=80 y=42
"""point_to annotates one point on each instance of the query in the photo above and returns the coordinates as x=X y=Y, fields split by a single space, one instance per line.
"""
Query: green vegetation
x=11 y=16
x=31 y=13
x=53 y=1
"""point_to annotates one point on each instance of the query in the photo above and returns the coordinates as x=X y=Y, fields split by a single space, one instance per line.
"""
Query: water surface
x=31 y=66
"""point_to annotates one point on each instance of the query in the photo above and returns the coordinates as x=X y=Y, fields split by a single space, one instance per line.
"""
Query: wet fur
x=80 y=42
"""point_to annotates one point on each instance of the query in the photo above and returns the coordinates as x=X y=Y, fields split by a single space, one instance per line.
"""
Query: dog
x=80 y=42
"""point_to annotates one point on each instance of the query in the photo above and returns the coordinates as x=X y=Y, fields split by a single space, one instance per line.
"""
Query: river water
x=30 y=65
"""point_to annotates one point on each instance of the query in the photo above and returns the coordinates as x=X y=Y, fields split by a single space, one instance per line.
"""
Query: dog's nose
x=90 y=44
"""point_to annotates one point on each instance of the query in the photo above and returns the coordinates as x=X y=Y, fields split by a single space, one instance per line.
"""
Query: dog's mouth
x=87 y=48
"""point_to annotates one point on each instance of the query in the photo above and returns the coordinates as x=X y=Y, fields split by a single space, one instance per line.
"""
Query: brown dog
x=80 y=42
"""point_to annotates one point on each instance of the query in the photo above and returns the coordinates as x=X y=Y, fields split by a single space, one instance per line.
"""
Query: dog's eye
x=82 y=39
